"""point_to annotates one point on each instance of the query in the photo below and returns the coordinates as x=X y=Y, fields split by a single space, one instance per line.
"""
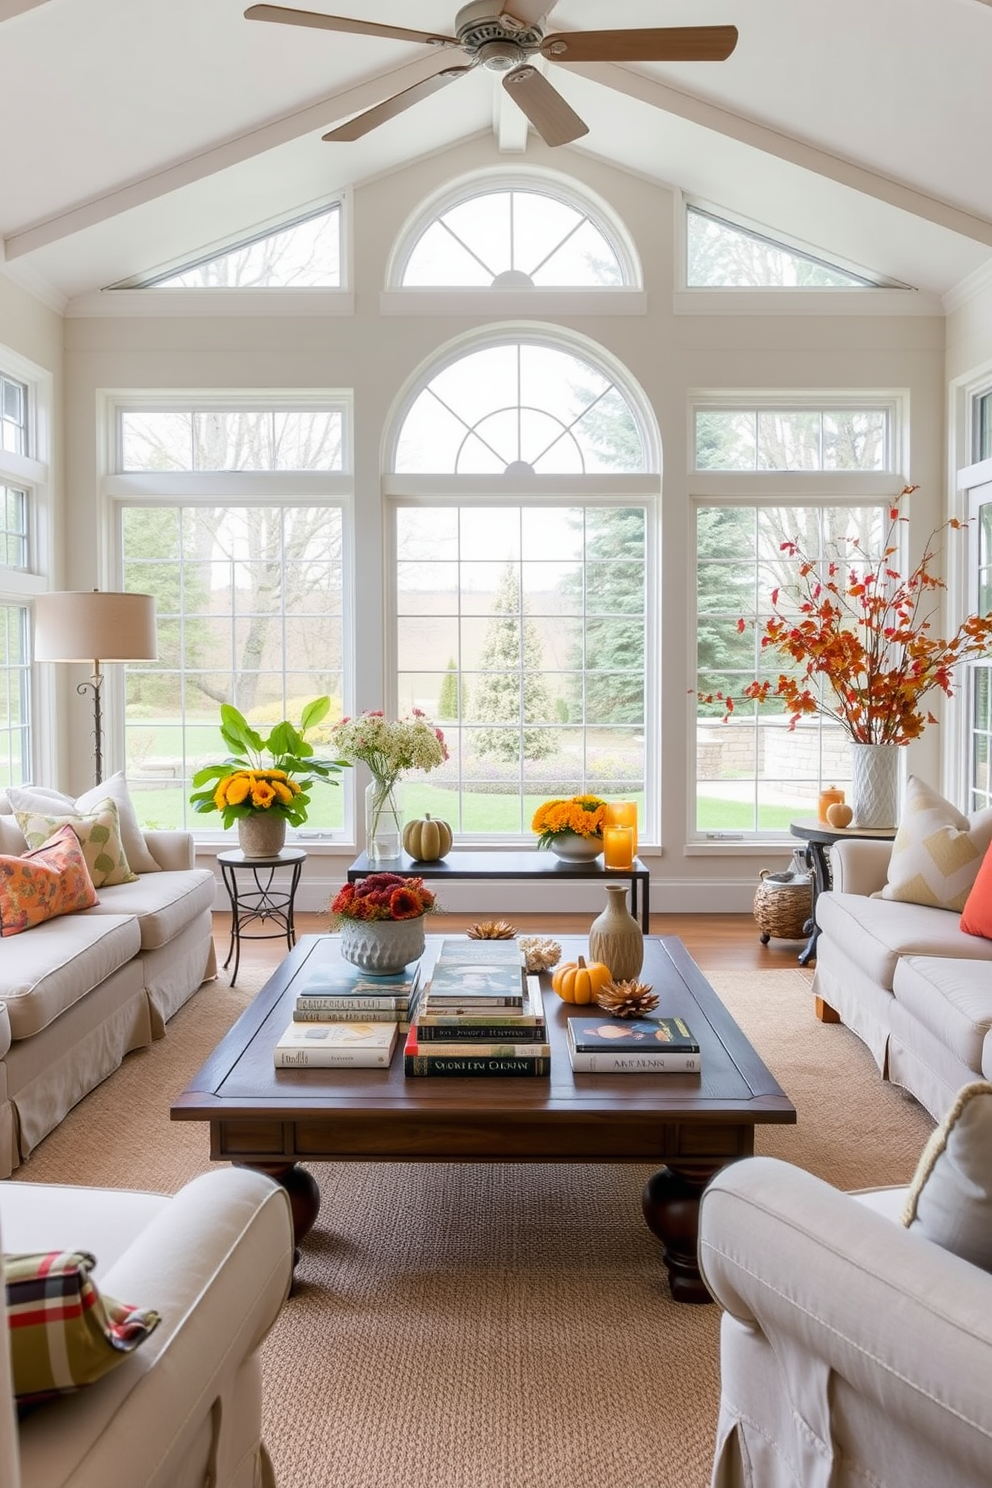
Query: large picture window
x=247 y=571
x=754 y=773
x=524 y=581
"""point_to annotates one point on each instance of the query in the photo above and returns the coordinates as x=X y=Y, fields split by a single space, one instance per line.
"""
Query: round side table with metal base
x=819 y=837
x=262 y=898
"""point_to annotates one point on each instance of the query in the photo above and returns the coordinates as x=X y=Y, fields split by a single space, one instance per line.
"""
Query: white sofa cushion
x=56 y=964
x=937 y=851
x=164 y=903
x=951 y=997
x=876 y=932
x=40 y=799
x=950 y=1198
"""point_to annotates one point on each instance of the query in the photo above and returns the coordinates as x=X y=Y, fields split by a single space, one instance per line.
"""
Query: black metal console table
x=263 y=898
x=535 y=866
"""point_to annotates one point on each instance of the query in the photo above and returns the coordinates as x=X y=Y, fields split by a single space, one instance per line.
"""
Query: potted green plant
x=264 y=784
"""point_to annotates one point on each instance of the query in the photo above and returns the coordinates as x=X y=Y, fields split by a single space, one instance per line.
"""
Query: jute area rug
x=463 y=1326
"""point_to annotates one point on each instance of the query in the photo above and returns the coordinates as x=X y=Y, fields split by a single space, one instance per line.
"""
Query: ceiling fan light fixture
x=500 y=56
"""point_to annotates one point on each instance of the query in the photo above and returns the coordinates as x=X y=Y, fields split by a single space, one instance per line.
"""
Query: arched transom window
x=520 y=407
x=515 y=238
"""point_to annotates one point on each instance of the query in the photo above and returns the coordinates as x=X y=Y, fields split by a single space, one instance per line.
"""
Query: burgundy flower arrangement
x=383 y=896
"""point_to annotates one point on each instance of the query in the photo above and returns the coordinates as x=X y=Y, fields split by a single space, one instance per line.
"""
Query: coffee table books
x=504 y=1025
x=637 y=1046
x=342 y=993
x=474 y=1059
x=333 y=1045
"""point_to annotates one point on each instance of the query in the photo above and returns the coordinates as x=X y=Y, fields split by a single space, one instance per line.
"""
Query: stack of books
x=343 y=1017
x=637 y=1046
x=480 y=1014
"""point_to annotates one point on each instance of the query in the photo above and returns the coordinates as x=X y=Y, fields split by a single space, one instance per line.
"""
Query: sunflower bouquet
x=578 y=816
x=246 y=784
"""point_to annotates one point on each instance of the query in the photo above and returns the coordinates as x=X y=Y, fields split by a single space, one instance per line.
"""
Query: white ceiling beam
x=10 y=8
x=318 y=116
x=773 y=142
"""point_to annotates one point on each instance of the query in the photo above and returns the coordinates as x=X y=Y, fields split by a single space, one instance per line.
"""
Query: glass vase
x=383 y=820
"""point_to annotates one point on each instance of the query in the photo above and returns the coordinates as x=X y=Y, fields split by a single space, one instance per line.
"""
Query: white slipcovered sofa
x=184 y=1410
x=852 y=1351
x=80 y=991
x=905 y=978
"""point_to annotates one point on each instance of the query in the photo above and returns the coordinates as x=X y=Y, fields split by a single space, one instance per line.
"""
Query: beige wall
x=377 y=354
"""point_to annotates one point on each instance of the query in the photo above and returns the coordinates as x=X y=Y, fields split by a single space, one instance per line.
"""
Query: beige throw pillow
x=950 y=1198
x=99 y=835
x=40 y=800
x=937 y=851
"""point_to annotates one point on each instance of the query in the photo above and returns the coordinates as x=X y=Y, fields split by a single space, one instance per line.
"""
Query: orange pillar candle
x=622 y=814
x=618 y=847
x=827 y=798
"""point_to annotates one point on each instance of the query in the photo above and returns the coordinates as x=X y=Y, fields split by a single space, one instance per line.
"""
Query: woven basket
x=783 y=903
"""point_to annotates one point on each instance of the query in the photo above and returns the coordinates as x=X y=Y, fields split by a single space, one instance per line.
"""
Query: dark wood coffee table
x=693 y=1125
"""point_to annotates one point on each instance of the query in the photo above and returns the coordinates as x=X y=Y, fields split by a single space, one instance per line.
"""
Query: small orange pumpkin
x=575 y=981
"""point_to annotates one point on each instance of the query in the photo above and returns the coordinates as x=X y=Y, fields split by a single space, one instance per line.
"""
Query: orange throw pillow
x=976 y=917
x=49 y=880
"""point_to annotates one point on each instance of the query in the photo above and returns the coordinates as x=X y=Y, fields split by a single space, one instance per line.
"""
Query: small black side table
x=262 y=899
x=818 y=836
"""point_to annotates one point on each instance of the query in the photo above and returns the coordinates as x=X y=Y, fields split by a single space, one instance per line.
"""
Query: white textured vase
x=382 y=947
x=875 y=785
x=262 y=834
x=571 y=847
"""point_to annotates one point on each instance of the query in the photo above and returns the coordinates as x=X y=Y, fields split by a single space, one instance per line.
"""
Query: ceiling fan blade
x=666 y=44
x=341 y=23
x=518 y=15
x=555 y=121
x=363 y=124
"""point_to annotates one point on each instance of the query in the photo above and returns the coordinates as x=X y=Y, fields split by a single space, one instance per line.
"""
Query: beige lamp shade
x=91 y=625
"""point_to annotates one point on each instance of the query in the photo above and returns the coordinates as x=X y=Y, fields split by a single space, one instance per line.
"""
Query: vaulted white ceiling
x=135 y=131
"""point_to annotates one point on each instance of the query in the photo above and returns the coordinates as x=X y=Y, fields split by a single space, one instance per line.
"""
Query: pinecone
x=627 y=999
x=540 y=953
x=492 y=930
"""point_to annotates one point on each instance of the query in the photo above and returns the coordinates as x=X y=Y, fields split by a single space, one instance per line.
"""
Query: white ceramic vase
x=875 y=785
x=573 y=848
x=382 y=947
x=261 y=835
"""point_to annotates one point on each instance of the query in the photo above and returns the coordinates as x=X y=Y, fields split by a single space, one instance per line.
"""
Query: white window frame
x=241 y=488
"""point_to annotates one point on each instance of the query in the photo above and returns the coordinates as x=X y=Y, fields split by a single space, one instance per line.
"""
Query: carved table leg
x=671 y=1208
x=304 y=1196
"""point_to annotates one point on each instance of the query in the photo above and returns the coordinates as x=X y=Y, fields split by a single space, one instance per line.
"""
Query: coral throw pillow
x=976 y=917
x=99 y=835
x=49 y=880
x=937 y=851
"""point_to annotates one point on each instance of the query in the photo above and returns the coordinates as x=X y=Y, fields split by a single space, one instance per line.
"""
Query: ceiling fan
x=505 y=40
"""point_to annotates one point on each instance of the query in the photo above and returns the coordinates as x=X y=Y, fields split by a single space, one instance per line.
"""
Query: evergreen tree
x=511 y=690
x=447 y=703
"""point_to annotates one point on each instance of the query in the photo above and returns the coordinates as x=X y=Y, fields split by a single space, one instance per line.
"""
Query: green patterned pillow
x=937 y=851
x=63 y=1333
x=99 y=835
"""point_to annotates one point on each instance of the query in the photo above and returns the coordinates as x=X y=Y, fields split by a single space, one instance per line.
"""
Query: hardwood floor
x=713 y=941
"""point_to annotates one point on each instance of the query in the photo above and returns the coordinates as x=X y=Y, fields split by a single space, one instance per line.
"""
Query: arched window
x=524 y=407
x=516 y=237
x=523 y=507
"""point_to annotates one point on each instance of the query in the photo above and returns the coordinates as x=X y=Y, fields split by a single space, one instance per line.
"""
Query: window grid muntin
x=194 y=417
x=14 y=535
x=820 y=747
x=531 y=778
x=14 y=411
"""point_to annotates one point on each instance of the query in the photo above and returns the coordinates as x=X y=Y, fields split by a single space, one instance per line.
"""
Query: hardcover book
x=514 y=1024
x=491 y=983
x=604 y=1053
x=434 y=1049
x=465 y=952
x=475 y=1065
x=356 y=993
x=324 y=1045
x=641 y=1035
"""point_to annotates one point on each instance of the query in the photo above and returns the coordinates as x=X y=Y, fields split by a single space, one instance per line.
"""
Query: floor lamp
x=94 y=626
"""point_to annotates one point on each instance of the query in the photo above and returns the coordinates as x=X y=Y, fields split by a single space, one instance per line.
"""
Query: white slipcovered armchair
x=184 y=1410
x=852 y=1352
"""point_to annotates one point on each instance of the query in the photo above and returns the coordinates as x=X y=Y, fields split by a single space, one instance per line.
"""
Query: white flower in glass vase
x=389 y=747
